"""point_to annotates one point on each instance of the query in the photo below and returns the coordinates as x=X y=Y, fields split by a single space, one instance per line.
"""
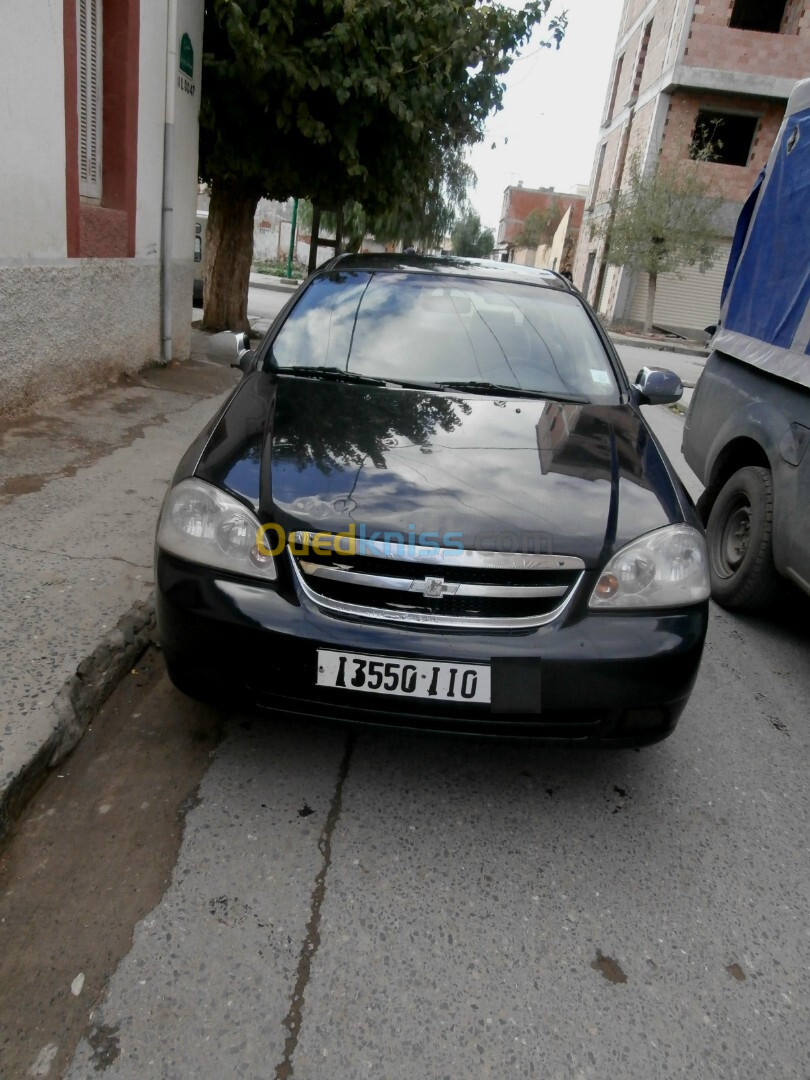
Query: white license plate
x=404 y=678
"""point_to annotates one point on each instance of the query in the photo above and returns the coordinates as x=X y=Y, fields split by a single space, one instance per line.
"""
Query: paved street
x=667 y=425
x=345 y=904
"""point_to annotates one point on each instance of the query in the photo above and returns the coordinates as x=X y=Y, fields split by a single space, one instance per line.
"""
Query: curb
x=78 y=701
x=279 y=284
x=660 y=346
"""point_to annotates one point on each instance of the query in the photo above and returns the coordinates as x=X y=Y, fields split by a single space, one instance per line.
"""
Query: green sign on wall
x=186 y=56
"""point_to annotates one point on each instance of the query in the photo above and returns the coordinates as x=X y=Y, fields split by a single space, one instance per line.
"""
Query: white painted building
x=93 y=92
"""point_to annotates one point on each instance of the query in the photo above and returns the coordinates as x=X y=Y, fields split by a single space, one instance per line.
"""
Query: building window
x=89 y=38
x=597 y=180
x=763 y=15
x=616 y=78
x=726 y=136
x=586 y=284
x=642 y=56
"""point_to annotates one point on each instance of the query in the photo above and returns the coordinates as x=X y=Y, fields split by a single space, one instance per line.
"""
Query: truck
x=747 y=430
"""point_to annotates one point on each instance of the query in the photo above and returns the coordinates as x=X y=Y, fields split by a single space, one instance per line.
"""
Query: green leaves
x=360 y=99
x=662 y=220
x=470 y=239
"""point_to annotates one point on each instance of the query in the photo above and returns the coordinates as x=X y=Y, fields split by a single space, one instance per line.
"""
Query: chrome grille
x=435 y=586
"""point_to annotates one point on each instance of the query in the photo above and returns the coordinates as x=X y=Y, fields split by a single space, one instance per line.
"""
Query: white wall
x=32 y=132
x=151 y=113
x=90 y=319
x=151 y=127
x=151 y=121
x=187 y=109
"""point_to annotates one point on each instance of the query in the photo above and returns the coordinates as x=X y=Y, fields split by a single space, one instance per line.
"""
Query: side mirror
x=710 y=330
x=245 y=356
x=657 y=386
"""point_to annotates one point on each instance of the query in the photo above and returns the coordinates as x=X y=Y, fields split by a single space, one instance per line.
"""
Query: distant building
x=518 y=203
x=84 y=240
x=680 y=66
x=558 y=253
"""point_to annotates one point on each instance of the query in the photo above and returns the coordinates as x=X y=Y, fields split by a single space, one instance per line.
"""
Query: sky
x=551 y=112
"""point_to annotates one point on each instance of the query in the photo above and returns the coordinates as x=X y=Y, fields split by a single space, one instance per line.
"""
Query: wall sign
x=186 y=76
x=186 y=56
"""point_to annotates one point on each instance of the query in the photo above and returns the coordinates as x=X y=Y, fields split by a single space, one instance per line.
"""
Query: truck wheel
x=739 y=533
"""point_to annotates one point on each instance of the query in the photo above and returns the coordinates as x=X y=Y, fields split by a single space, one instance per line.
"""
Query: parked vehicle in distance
x=433 y=501
x=747 y=431
x=200 y=228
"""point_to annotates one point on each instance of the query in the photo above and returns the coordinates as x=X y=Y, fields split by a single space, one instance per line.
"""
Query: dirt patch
x=92 y=856
x=57 y=440
x=25 y=484
x=609 y=968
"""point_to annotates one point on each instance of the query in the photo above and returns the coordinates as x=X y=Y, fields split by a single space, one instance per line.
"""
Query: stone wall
x=65 y=328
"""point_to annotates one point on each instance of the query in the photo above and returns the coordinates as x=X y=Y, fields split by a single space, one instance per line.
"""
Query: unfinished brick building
x=679 y=67
x=520 y=201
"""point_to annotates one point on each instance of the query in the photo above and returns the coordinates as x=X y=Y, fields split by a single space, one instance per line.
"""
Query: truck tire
x=739 y=536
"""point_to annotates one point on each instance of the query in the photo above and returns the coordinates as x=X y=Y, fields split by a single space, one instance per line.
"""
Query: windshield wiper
x=479 y=387
x=341 y=375
x=338 y=374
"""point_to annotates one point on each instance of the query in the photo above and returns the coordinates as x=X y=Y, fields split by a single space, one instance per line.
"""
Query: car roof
x=450 y=264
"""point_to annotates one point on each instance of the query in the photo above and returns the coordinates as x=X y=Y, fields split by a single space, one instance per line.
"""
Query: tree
x=367 y=101
x=661 y=221
x=424 y=220
x=539 y=227
x=470 y=239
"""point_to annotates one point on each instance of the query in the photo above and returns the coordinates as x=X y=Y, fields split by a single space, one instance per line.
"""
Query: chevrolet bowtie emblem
x=434 y=586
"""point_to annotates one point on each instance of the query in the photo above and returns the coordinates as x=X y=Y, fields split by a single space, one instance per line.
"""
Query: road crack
x=312 y=939
x=72 y=557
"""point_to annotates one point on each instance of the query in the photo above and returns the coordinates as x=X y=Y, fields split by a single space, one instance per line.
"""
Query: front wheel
x=739 y=534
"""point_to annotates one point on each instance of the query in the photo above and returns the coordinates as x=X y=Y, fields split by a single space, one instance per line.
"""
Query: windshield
x=437 y=329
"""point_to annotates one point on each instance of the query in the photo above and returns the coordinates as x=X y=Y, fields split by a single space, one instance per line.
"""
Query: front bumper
x=623 y=677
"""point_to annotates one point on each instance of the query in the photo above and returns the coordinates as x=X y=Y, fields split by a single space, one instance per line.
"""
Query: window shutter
x=88 y=14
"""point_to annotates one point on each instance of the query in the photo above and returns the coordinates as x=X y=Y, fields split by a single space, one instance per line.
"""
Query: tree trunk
x=315 y=232
x=228 y=257
x=651 y=287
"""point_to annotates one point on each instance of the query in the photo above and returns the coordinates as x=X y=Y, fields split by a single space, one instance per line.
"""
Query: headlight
x=200 y=523
x=666 y=568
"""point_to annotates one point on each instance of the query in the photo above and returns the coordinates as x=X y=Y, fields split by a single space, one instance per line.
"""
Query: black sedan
x=432 y=500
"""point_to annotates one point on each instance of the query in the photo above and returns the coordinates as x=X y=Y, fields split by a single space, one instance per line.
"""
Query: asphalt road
x=390 y=905
x=384 y=904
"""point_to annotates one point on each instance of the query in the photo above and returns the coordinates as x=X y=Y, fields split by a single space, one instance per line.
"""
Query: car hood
x=508 y=474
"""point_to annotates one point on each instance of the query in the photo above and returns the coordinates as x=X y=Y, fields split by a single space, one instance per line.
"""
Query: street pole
x=166 y=218
x=292 y=238
x=314 y=239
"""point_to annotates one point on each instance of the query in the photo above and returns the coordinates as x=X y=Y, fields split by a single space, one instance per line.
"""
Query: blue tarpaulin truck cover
x=765 y=318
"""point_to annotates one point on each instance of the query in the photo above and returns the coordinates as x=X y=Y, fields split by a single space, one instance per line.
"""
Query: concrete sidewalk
x=80 y=488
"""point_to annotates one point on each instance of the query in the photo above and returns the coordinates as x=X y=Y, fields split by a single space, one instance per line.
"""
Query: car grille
x=436 y=586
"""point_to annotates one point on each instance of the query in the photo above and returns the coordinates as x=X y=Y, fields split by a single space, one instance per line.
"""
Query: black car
x=432 y=500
